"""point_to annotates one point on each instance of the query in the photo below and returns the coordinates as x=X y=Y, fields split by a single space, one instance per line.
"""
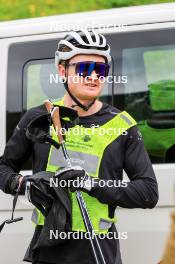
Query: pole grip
x=55 y=115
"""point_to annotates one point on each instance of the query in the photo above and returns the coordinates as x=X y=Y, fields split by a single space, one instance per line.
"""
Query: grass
x=18 y=9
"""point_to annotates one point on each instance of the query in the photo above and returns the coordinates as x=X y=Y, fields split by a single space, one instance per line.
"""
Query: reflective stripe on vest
x=86 y=148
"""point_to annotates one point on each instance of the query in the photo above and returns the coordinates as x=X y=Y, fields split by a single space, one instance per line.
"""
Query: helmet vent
x=101 y=40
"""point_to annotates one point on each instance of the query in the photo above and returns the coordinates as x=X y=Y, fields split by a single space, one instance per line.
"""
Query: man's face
x=83 y=88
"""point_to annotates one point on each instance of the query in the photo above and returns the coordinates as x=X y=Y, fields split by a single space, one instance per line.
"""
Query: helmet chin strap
x=84 y=107
x=78 y=103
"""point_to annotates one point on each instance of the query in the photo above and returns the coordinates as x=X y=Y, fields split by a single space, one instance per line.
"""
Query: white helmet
x=82 y=42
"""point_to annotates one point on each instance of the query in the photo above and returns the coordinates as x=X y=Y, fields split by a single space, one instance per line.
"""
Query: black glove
x=75 y=178
x=39 y=192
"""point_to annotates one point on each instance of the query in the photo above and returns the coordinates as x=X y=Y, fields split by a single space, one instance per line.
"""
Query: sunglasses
x=85 y=68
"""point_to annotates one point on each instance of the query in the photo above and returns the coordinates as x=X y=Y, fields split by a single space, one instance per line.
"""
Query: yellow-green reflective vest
x=86 y=147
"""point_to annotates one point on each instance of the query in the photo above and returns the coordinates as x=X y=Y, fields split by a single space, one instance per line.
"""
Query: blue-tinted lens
x=102 y=69
x=86 y=68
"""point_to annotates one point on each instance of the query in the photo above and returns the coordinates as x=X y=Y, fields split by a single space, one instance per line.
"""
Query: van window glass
x=150 y=97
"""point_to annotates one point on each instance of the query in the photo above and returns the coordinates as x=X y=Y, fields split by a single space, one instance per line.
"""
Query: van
x=142 y=40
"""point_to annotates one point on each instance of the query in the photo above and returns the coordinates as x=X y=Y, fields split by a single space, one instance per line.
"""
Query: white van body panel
x=137 y=15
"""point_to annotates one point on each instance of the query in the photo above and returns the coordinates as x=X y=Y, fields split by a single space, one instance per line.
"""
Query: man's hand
x=75 y=178
x=39 y=192
x=36 y=187
x=39 y=197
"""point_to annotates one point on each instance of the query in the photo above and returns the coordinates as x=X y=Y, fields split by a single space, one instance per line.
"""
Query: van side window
x=150 y=97
x=41 y=82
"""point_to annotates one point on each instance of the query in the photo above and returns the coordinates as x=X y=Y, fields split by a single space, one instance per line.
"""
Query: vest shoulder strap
x=130 y=121
x=59 y=102
x=122 y=120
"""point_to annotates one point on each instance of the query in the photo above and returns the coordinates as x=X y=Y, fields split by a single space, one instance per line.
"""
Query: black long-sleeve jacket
x=126 y=152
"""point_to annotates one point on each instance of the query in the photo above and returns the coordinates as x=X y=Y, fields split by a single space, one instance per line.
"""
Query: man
x=103 y=157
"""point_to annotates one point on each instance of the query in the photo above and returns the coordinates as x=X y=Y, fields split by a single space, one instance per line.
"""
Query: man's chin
x=90 y=96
